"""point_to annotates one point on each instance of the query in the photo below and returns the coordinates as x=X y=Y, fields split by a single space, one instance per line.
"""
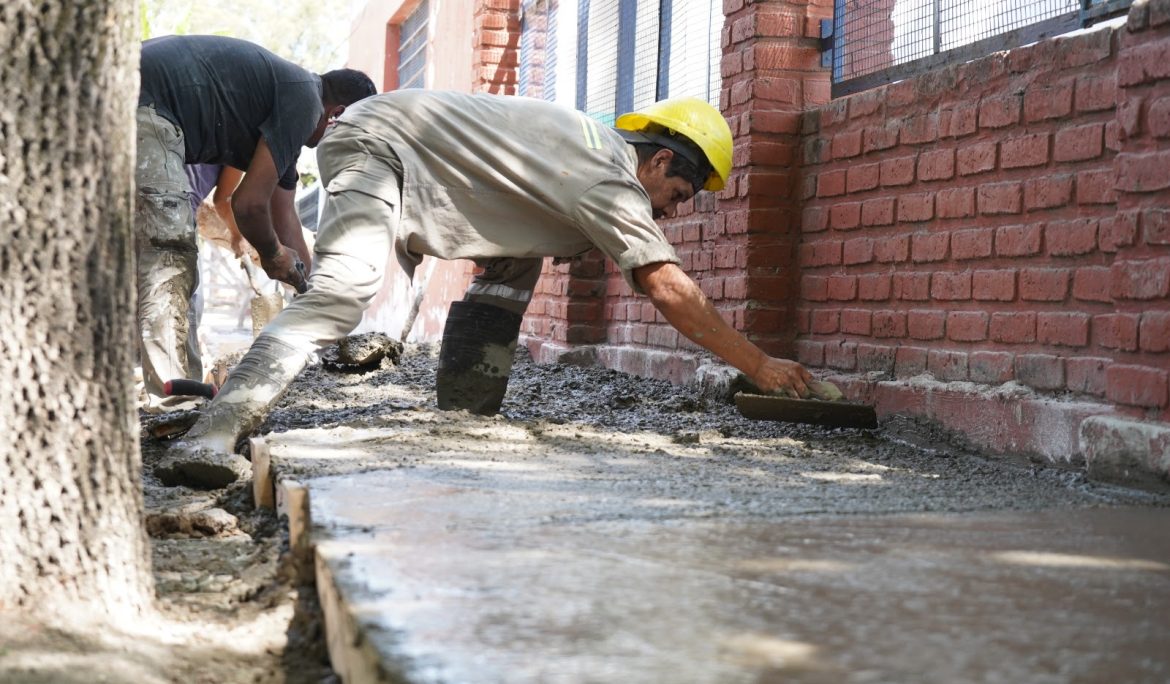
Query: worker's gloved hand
x=781 y=376
x=284 y=265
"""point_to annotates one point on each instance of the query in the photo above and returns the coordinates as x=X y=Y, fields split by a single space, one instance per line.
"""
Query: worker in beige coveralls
x=505 y=181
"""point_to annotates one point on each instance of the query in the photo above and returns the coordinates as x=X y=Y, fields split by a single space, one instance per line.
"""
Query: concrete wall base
x=1126 y=450
x=1011 y=419
x=1008 y=419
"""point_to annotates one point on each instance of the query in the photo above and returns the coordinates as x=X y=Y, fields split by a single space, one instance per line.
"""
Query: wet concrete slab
x=505 y=567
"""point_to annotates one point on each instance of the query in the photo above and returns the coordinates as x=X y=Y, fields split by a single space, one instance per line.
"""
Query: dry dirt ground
x=231 y=612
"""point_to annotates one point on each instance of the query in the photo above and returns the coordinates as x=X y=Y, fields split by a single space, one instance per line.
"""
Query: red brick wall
x=1004 y=220
x=496 y=45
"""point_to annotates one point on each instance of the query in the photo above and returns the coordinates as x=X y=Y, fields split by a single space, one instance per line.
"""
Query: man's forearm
x=224 y=209
x=256 y=227
x=686 y=308
x=287 y=224
x=291 y=236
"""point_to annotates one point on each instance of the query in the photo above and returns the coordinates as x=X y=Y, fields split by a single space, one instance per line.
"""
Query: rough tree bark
x=71 y=534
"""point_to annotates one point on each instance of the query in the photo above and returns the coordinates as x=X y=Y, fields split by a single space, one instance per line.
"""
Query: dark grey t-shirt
x=225 y=94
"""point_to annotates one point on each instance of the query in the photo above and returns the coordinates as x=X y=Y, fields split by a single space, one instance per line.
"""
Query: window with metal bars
x=631 y=53
x=538 y=49
x=871 y=42
x=412 y=48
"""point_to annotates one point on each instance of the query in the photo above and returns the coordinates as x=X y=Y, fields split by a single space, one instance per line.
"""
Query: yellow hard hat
x=695 y=119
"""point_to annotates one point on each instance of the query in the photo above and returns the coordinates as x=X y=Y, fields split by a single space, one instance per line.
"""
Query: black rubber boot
x=476 y=357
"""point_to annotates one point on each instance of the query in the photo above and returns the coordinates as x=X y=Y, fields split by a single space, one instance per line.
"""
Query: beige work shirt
x=493 y=176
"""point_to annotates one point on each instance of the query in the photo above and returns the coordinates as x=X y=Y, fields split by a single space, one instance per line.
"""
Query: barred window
x=597 y=59
x=412 y=48
x=879 y=41
x=631 y=53
x=538 y=49
x=695 y=51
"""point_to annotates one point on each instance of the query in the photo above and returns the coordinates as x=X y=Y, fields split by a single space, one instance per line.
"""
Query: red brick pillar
x=771 y=74
x=1139 y=277
x=567 y=309
x=496 y=44
x=536 y=23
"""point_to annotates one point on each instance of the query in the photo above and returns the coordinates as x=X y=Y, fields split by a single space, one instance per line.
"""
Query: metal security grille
x=631 y=53
x=695 y=51
x=538 y=49
x=645 y=56
x=412 y=48
x=878 y=41
x=598 y=58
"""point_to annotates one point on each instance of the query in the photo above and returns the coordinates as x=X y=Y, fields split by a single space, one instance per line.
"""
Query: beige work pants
x=356 y=232
x=357 y=227
x=167 y=259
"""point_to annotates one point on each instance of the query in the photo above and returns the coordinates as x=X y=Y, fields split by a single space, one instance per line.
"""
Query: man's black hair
x=345 y=86
x=689 y=161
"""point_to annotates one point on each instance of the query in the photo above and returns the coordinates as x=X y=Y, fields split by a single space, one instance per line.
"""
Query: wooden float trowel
x=826 y=406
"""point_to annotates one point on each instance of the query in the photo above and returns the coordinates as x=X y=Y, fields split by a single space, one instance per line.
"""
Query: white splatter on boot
x=205 y=457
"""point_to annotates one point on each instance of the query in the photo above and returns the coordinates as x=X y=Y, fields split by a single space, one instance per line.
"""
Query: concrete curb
x=1126 y=450
x=1010 y=419
x=290 y=499
x=352 y=656
x=1113 y=442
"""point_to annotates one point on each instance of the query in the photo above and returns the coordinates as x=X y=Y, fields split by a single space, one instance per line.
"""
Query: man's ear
x=336 y=111
x=662 y=158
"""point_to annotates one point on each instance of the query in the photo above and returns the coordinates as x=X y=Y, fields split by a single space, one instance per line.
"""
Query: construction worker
x=217 y=100
x=505 y=181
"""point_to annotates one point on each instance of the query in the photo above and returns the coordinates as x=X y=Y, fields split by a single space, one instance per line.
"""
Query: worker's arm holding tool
x=287 y=224
x=685 y=307
x=265 y=228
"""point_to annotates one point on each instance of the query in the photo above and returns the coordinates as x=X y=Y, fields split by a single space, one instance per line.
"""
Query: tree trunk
x=71 y=532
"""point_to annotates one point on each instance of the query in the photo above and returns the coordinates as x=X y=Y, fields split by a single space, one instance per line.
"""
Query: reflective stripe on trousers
x=505 y=282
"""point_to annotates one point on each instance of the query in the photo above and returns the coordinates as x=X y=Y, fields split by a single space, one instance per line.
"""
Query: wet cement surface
x=475 y=584
x=608 y=528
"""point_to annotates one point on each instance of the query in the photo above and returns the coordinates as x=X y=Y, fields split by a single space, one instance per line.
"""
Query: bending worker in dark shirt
x=505 y=181
x=216 y=100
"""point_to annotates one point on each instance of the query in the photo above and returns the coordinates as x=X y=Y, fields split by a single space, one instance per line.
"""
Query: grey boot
x=475 y=359
x=204 y=458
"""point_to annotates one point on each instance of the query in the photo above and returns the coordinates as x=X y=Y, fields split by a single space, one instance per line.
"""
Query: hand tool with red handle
x=189 y=388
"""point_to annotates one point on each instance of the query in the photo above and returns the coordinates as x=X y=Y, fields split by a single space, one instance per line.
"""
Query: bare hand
x=286 y=267
x=781 y=376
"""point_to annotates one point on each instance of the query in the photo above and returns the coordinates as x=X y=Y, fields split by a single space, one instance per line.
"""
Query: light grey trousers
x=358 y=223
x=167 y=257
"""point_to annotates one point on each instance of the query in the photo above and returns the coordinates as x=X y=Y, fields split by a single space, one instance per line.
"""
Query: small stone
x=201 y=468
x=213 y=521
x=162 y=524
x=367 y=349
